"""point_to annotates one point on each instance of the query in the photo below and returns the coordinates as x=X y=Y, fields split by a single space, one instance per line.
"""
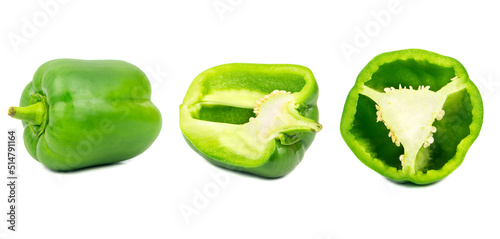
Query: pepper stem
x=32 y=114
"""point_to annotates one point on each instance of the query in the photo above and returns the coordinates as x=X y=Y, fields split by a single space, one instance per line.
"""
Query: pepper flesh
x=79 y=113
x=252 y=117
x=425 y=111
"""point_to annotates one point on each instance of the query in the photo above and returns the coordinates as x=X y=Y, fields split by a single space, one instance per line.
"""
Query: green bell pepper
x=79 y=113
x=255 y=118
x=412 y=115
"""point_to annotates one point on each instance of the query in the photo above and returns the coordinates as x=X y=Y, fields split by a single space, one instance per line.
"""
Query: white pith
x=409 y=114
x=276 y=113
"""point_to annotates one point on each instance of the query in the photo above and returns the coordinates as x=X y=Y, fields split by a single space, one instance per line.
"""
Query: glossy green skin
x=284 y=158
x=99 y=112
x=455 y=132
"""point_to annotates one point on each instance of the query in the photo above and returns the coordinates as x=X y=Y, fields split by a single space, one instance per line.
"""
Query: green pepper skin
x=97 y=112
x=456 y=132
x=247 y=79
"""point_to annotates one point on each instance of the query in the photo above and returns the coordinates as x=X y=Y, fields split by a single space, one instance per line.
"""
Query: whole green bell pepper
x=80 y=113
x=412 y=115
x=255 y=118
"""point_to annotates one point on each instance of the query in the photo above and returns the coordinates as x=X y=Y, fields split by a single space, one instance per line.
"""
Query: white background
x=330 y=195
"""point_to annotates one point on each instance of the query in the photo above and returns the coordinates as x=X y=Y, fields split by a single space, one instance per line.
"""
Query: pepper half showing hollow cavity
x=255 y=118
x=79 y=113
x=412 y=115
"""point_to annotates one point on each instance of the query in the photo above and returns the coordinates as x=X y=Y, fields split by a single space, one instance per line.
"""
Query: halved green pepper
x=255 y=118
x=80 y=113
x=412 y=115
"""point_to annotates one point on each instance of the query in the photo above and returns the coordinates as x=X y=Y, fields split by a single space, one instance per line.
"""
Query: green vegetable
x=79 y=113
x=255 y=118
x=412 y=115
